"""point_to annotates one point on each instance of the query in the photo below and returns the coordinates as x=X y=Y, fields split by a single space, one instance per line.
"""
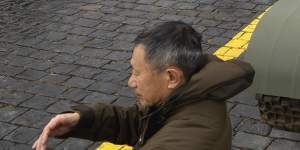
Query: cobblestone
x=6 y=128
x=55 y=36
x=105 y=87
x=280 y=144
x=92 y=62
x=32 y=75
x=45 y=55
x=92 y=15
x=40 y=65
x=70 y=49
x=38 y=102
x=15 y=84
x=113 y=18
x=13 y=146
x=85 y=72
x=47 y=89
x=23 y=51
x=54 y=78
x=111 y=76
x=33 y=119
x=130 y=29
x=165 y=3
x=61 y=106
x=78 y=82
x=98 y=43
x=255 y=127
x=94 y=52
x=75 y=94
x=63 y=68
x=285 y=134
x=96 y=97
x=65 y=58
x=10 y=70
x=72 y=143
x=126 y=37
x=246 y=111
x=75 y=40
x=86 y=22
x=109 y=26
x=12 y=97
x=18 y=60
x=135 y=21
x=102 y=34
x=245 y=98
x=118 y=66
x=22 y=135
x=250 y=141
x=122 y=46
x=183 y=5
x=82 y=30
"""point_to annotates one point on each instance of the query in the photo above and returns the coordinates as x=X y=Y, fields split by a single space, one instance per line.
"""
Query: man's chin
x=142 y=106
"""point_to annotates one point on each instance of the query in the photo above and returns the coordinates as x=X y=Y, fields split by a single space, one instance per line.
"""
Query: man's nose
x=132 y=82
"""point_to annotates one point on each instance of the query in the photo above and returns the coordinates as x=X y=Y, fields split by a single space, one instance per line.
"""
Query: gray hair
x=173 y=44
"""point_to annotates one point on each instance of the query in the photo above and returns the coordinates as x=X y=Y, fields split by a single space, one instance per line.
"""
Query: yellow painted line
x=231 y=50
x=239 y=43
x=110 y=146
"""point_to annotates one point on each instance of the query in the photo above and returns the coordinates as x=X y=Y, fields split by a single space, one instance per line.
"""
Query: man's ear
x=175 y=77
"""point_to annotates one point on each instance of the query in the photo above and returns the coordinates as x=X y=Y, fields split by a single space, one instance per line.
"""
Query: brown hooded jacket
x=194 y=118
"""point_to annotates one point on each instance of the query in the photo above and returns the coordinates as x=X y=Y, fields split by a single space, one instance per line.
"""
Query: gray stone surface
x=8 y=113
x=75 y=94
x=254 y=127
x=6 y=128
x=104 y=87
x=72 y=143
x=96 y=97
x=250 y=141
x=78 y=82
x=47 y=89
x=13 y=97
x=280 y=144
x=38 y=102
x=246 y=111
x=33 y=118
x=276 y=133
x=22 y=135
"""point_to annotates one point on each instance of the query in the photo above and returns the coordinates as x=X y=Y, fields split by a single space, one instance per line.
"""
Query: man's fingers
x=41 y=143
x=46 y=132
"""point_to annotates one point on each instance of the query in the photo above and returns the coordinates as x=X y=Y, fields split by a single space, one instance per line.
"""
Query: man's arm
x=104 y=122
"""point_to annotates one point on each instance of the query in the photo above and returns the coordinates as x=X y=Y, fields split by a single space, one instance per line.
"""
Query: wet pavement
x=58 y=53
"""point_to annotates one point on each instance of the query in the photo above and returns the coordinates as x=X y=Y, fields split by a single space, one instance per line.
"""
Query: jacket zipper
x=142 y=135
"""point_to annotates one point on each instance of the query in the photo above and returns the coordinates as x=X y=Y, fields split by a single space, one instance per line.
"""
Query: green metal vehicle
x=274 y=52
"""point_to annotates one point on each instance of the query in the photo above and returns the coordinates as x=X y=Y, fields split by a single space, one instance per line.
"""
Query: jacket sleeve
x=104 y=122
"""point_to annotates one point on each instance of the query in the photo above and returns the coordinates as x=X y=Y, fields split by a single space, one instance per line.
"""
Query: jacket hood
x=217 y=80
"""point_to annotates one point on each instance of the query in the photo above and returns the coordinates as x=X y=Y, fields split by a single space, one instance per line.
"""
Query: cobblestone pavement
x=58 y=53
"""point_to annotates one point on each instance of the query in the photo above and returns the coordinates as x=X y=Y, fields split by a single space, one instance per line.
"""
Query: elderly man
x=180 y=92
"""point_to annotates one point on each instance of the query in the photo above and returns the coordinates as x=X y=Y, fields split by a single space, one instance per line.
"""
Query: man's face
x=149 y=86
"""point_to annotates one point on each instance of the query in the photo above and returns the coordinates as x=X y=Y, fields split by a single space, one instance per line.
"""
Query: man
x=181 y=96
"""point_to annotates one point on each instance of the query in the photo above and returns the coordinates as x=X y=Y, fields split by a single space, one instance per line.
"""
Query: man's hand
x=59 y=125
